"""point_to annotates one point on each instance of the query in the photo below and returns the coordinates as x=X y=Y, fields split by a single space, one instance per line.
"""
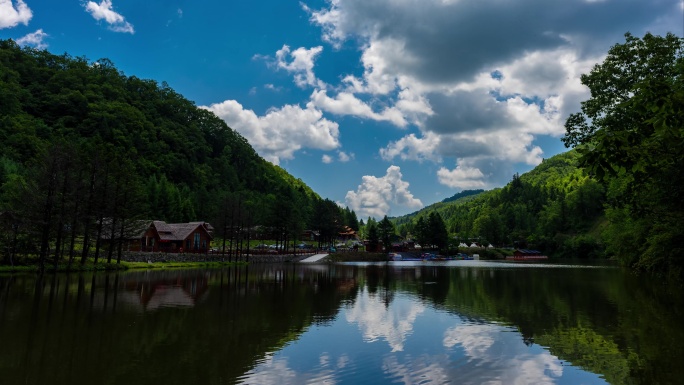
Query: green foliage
x=372 y=234
x=436 y=232
x=386 y=232
x=489 y=225
x=421 y=231
x=554 y=207
x=350 y=219
x=462 y=194
x=83 y=143
x=631 y=134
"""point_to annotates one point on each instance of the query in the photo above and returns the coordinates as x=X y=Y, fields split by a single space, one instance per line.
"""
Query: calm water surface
x=465 y=322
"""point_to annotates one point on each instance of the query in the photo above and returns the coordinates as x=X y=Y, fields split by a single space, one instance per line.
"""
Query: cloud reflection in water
x=407 y=342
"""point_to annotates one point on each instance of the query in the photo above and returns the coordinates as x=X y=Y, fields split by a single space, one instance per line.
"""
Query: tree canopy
x=556 y=207
x=88 y=144
x=631 y=137
x=618 y=193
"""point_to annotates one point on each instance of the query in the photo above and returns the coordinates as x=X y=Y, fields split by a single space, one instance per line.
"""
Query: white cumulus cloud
x=375 y=196
x=479 y=82
x=378 y=322
x=104 y=11
x=34 y=39
x=11 y=15
x=462 y=177
x=518 y=365
x=346 y=103
x=344 y=157
x=300 y=62
x=281 y=132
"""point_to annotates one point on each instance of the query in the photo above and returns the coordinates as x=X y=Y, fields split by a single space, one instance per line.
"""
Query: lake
x=457 y=322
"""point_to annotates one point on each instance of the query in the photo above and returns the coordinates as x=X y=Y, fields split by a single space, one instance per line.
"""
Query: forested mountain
x=555 y=207
x=462 y=194
x=458 y=198
x=82 y=144
x=619 y=192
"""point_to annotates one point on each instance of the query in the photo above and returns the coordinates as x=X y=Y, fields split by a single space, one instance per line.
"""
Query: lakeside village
x=156 y=241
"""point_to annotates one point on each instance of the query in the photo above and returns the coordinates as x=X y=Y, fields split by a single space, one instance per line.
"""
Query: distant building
x=310 y=235
x=191 y=237
x=347 y=234
x=377 y=248
x=527 y=255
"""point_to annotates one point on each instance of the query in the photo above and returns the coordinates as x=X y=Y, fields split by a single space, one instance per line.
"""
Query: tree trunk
x=47 y=220
x=86 y=221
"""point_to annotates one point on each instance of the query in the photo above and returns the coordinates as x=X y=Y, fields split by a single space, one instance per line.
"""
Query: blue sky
x=384 y=106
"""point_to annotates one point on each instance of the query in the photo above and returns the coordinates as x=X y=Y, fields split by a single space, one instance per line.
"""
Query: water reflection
x=380 y=320
x=290 y=324
x=444 y=349
x=155 y=290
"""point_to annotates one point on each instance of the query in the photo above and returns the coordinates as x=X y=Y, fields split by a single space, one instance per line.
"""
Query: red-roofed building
x=191 y=237
x=347 y=234
x=527 y=255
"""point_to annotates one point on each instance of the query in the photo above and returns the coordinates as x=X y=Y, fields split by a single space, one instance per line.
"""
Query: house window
x=187 y=244
x=197 y=240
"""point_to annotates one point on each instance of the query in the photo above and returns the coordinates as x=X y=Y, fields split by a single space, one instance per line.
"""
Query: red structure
x=527 y=255
x=347 y=234
x=191 y=237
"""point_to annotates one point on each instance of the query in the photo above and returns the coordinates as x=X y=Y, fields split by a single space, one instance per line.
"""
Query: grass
x=17 y=269
x=177 y=265
x=30 y=265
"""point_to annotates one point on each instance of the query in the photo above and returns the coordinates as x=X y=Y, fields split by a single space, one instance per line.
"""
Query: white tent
x=462 y=245
x=474 y=245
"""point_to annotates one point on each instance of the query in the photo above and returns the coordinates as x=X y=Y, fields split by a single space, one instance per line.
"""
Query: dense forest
x=87 y=149
x=556 y=207
x=619 y=193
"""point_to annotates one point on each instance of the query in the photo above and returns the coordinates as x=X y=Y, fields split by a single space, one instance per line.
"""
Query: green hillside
x=82 y=142
x=555 y=207
x=456 y=199
x=619 y=192
x=462 y=194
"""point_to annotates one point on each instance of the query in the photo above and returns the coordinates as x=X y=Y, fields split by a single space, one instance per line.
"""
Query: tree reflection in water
x=341 y=323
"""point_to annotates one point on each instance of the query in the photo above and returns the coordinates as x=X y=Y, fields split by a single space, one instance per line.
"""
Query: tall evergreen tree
x=373 y=235
x=386 y=232
x=438 y=234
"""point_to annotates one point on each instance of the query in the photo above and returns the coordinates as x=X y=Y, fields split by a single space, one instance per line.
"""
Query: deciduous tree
x=631 y=136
